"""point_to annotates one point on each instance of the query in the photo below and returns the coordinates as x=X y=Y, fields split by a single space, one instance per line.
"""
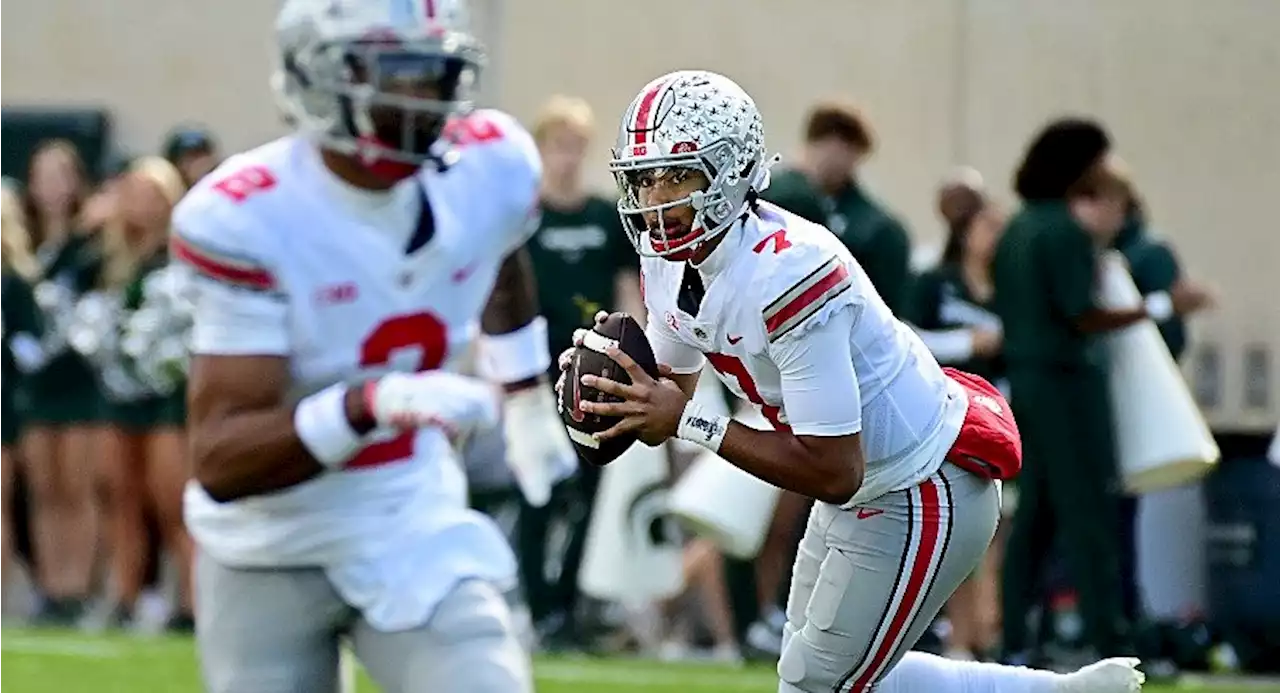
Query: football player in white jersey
x=338 y=281
x=902 y=457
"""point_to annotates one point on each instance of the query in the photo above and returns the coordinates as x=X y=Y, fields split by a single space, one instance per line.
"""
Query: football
x=620 y=330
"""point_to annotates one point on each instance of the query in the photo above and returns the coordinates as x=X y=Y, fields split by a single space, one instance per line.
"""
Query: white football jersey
x=781 y=295
x=292 y=262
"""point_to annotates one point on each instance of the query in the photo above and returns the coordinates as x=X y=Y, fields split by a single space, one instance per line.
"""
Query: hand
x=651 y=408
x=455 y=403
x=538 y=449
x=986 y=343
x=1189 y=296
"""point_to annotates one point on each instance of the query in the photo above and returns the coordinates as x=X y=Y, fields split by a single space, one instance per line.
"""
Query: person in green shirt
x=583 y=264
x=1046 y=278
x=824 y=188
x=63 y=401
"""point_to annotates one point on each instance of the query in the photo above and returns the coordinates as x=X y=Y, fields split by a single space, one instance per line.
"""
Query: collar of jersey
x=721 y=258
x=390 y=210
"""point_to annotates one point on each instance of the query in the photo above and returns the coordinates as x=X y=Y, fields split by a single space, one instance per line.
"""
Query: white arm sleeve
x=240 y=307
x=819 y=386
x=668 y=348
x=237 y=322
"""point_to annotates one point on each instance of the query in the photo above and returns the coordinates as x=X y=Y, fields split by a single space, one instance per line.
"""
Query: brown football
x=621 y=330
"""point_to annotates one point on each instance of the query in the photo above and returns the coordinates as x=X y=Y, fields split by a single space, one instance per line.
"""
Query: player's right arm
x=242 y=434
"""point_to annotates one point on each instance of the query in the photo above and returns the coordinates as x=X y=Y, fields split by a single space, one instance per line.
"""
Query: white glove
x=455 y=403
x=538 y=449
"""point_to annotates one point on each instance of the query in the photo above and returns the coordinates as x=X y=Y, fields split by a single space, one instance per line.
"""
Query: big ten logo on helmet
x=684 y=148
x=639 y=149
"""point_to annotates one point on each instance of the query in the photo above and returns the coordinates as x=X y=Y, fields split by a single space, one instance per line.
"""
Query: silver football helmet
x=376 y=78
x=691 y=119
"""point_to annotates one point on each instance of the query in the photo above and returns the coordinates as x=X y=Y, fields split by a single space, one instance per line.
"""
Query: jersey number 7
x=422 y=330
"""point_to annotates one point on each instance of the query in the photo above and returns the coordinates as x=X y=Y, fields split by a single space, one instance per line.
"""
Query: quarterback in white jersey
x=903 y=457
x=338 y=282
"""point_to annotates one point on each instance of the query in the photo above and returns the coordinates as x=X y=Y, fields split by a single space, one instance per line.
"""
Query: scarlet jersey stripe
x=221 y=267
x=806 y=297
x=640 y=130
x=927 y=539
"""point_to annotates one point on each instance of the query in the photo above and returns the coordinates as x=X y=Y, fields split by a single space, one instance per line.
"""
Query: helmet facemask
x=383 y=100
x=715 y=207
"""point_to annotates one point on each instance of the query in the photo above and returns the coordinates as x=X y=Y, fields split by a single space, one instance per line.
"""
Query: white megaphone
x=633 y=554
x=1162 y=441
x=716 y=500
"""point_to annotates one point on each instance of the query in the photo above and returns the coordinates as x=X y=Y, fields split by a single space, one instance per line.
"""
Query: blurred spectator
x=1155 y=272
x=143 y=460
x=193 y=150
x=1155 y=269
x=1045 y=279
x=65 y=405
x=951 y=303
x=22 y=354
x=824 y=188
x=583 y=264
x=1075 y=198
x=950 y=307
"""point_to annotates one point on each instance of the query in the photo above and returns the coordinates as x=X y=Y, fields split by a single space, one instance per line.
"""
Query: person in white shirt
x=902 y=456
x=338 y=285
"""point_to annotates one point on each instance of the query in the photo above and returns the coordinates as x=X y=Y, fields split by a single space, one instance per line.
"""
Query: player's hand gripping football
x=651 y=408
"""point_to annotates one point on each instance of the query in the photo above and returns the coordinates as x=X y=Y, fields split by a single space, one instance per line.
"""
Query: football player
x=902 y=457
x=338 y=283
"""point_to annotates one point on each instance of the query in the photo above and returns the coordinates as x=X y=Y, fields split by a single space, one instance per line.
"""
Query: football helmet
x=690 y=119
x=377 y=79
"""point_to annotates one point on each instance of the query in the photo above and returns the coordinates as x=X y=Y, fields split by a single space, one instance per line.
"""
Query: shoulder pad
x=502 y=155
x=218 y=236
x=802 y=282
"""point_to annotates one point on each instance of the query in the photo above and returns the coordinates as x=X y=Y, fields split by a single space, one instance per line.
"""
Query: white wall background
x=1189 y=89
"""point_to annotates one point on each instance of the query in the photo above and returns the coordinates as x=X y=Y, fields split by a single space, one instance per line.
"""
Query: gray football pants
x=278 y=631
x=869 y=580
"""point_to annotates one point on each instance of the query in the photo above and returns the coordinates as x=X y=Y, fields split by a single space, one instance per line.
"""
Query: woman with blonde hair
x=64 y=404
x=21 y=352
x=143 y=466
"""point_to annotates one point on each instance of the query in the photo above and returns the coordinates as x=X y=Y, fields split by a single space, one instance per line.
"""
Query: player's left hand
x=651 y=408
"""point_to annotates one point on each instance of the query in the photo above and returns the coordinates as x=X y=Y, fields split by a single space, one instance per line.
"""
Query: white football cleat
x=1114 y=675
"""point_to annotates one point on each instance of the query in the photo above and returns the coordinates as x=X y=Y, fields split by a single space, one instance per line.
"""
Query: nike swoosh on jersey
x=735 y=340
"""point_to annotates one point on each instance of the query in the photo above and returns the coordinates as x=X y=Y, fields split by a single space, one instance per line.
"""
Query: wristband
x=515 y=356
x=1159 y=306
x=320 y=421
x=700 y=425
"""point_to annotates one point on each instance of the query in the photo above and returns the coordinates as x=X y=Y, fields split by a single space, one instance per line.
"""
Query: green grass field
x=59 y=662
